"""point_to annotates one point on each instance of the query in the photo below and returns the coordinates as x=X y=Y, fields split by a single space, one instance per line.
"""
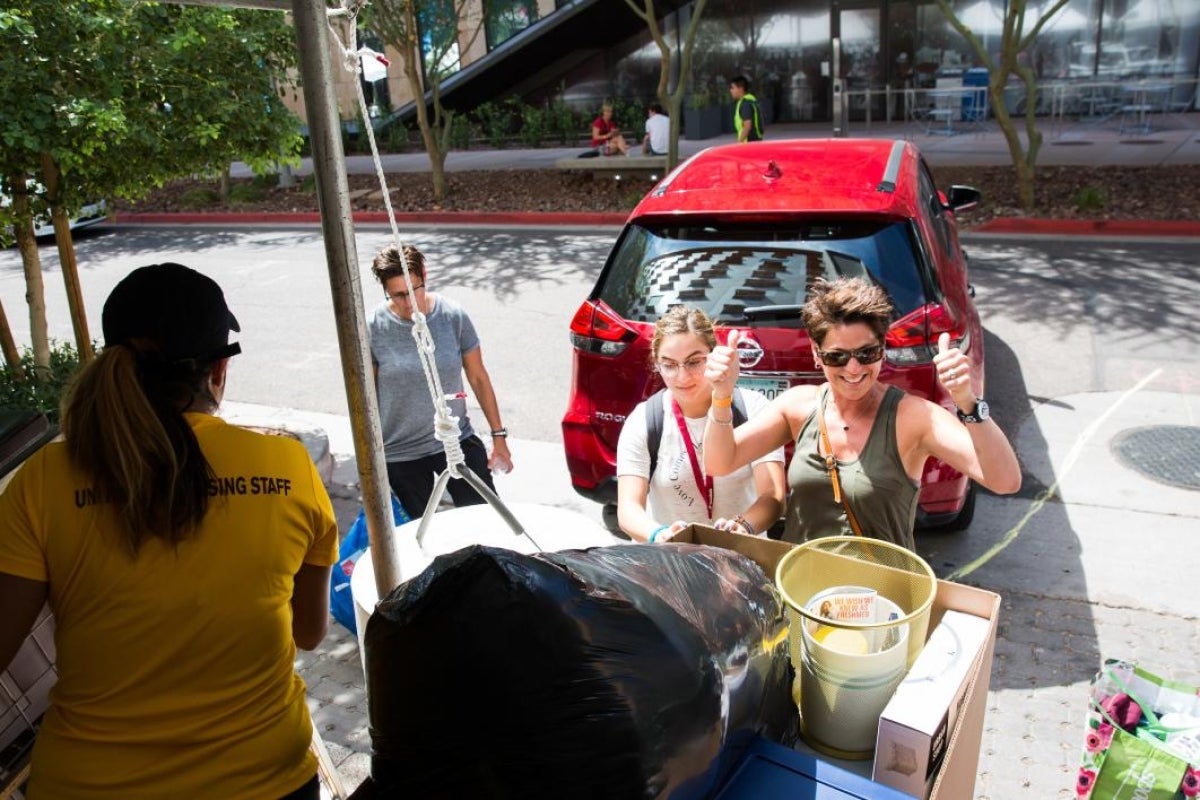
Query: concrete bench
x=615 y=166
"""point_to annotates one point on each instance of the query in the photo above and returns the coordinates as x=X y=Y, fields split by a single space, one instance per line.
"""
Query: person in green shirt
x=747 y=119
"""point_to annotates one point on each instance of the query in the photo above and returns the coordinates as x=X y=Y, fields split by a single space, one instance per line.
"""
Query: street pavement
x=1091 y=558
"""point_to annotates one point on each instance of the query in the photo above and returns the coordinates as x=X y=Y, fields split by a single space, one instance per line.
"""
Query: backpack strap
x=654 y=426
x=654 y=420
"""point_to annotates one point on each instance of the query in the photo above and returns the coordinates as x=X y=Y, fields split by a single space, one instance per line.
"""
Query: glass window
x=438 y=21
x=747 y=273
x=506 y=18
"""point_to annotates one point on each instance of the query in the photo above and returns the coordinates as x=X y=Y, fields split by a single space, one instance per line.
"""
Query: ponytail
x=124 y=427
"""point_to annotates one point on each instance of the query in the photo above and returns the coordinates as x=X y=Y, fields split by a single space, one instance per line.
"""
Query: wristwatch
x=981 y=413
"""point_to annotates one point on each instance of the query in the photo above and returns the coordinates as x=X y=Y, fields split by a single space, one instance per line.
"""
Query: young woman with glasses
x=879 y=437
x=652 y=507
x=411 y=449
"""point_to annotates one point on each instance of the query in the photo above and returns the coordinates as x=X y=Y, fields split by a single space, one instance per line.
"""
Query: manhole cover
x=1168 y=454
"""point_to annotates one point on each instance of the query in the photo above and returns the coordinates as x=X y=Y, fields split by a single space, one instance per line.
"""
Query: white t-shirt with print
x=674 y=493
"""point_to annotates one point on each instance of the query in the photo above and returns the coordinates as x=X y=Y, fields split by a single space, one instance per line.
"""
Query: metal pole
x=839 y=94
x=333 y=197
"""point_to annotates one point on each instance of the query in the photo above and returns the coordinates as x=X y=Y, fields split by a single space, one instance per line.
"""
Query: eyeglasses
x=403 y=296
x=670 y=368
x=840 y=358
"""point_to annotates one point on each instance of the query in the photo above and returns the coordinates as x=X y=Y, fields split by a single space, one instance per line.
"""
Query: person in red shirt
x=606 y=135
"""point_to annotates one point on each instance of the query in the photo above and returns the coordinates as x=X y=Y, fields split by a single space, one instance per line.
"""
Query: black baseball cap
x=176 y=308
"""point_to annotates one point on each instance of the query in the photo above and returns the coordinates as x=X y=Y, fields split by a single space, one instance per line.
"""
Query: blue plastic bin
x=770 y=770
x=974 y=103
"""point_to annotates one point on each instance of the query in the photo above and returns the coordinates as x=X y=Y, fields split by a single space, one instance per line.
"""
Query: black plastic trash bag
x=618 y=672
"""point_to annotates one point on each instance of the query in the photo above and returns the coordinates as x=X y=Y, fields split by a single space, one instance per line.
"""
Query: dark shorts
x=412 y=481
x=309 y=791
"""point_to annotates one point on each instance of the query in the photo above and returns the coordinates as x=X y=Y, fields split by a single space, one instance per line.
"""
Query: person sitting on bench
x=658 y=131
x=606 y=134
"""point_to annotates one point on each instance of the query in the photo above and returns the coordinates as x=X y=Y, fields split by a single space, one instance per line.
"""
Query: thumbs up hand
x=722 y=368
x=954 y=372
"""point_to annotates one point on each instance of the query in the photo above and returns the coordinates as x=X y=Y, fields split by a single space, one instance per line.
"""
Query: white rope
x=445 y=425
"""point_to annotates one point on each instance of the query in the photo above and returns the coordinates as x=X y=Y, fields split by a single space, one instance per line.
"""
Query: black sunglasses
x=840 y=358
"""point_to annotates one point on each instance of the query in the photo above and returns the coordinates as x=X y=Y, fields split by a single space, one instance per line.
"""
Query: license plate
x=770 y=387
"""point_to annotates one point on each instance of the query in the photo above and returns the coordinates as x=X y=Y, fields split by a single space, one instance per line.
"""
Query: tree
x=672 y=100
x=1013 y=42
x=112 y=99
x=433 y=29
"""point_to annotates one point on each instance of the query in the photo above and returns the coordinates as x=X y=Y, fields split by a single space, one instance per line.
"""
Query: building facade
x=786 y=49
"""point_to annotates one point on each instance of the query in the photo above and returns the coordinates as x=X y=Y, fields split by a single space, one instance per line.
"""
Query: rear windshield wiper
x=791 y=312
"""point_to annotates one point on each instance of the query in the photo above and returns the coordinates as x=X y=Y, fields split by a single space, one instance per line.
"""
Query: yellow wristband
x=722 y=402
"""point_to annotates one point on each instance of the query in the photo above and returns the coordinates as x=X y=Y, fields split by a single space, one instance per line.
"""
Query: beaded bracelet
x=745 y=523
x=713 y=417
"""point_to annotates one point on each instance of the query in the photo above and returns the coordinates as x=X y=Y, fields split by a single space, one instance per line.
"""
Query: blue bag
x=355 y=543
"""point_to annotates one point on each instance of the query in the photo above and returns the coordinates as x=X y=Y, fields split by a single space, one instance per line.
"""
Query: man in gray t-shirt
x=412 y=451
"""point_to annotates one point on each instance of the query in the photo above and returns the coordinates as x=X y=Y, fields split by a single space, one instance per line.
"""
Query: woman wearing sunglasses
x=861 y=445
x=660 y=495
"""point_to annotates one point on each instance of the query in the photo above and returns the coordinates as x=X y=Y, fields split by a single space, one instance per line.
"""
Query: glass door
x=861 y=64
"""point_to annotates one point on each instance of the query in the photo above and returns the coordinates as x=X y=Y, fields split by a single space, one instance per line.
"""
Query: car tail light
x=912 y=339
x=596 y=328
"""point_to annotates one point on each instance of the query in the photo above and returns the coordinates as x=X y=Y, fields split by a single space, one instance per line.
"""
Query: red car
x=741 y=231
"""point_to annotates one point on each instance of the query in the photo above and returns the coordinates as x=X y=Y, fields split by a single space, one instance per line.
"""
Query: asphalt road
x=1061 y=316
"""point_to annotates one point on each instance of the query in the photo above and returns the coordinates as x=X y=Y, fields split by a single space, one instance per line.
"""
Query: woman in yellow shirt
x=184 y=560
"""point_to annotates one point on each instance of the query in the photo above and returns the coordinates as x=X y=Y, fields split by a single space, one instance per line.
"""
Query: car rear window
x=747 y=274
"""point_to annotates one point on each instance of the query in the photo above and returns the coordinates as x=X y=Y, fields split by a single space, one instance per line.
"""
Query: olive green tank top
x=882 y=495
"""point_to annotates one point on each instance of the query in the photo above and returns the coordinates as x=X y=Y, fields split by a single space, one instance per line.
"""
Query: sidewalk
x=1175 y=141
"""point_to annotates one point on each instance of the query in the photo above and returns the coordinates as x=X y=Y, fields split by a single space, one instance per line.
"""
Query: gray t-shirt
x=405 y=408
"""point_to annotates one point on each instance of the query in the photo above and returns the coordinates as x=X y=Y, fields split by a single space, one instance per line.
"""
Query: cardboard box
x=956 y=777
x=914 y=726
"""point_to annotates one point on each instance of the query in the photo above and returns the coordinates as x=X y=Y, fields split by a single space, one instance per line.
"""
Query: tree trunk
x=1023 y=166
x=223 y=186
x=52 y=178
x=35 y=292
x=70 y=271
x=9 y=347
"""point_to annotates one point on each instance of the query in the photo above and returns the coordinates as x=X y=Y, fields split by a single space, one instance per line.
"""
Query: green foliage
x=629 y=114
x=702 y=97
x=199 y=197
x=396 y=139
x=268 y=180
x=631 y=199
x=565 y=124
x=461 y=131
x=494 y=119
x=1090 y=198
x=246 y=193
x=44 y=393
x=535 y=125
x=127 y=96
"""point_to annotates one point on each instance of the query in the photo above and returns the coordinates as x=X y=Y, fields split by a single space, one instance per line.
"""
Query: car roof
x=842 y=176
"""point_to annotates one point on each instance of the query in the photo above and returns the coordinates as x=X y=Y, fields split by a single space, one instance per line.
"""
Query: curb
x=1088 y=227
x=405 y=218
